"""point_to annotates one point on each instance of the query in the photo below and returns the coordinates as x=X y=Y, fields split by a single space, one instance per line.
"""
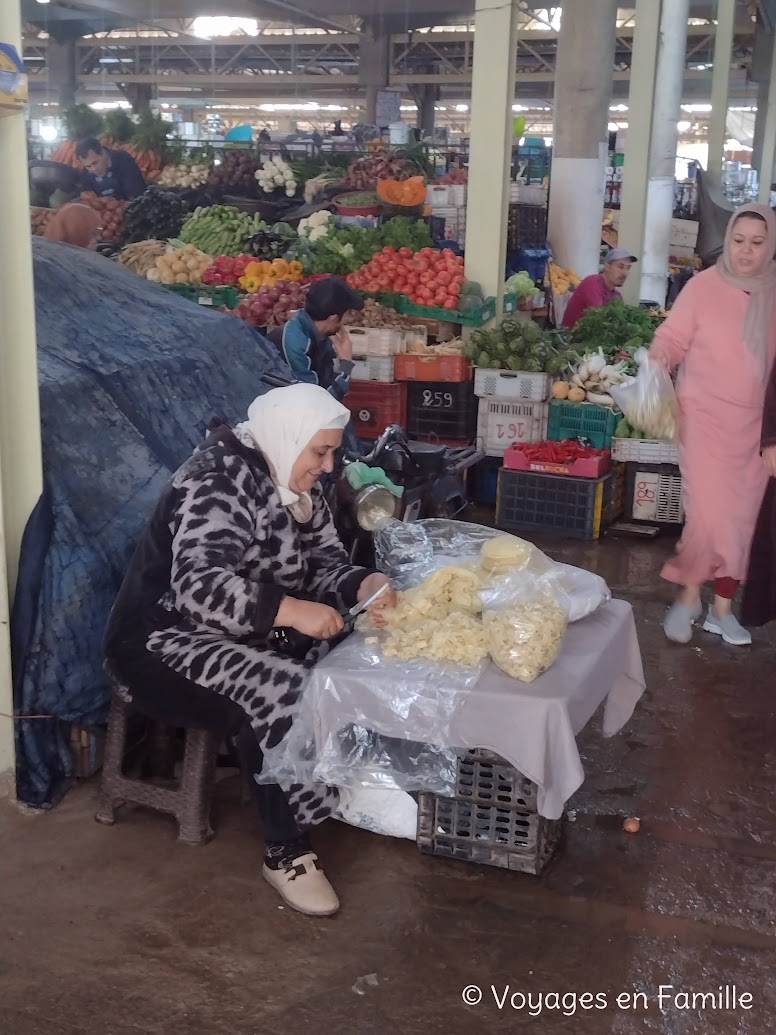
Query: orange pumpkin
x=405 y=193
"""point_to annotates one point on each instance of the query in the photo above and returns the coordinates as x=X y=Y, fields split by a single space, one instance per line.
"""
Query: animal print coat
x=205 y=585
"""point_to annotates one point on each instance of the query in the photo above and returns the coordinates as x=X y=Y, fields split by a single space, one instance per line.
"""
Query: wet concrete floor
x=112 y=931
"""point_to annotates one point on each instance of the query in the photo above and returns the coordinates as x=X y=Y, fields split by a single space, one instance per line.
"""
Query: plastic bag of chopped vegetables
x=525 y=633
x=649 y=402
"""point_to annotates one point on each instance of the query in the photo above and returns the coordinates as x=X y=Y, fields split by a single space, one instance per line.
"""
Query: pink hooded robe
x=721 y=393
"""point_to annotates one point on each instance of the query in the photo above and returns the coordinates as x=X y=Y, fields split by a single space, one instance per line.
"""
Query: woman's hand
x=769 y=459
x=386 y=602
x=319 y=621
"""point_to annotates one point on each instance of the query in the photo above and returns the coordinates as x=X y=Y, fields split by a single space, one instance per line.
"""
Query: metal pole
x=20 y=448
x=720 y=83
x=669 y=84
x=490 y=156
x=769 y=133
x=635 y=170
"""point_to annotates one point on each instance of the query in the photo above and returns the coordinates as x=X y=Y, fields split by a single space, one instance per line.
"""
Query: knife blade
x=368 y=602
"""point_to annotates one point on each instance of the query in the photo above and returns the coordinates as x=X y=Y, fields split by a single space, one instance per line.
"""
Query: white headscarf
x=281 y=423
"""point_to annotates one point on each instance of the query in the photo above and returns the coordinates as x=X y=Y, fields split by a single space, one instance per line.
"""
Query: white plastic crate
x=644 y=451
x=438 y=196
x=500 y=422
x=457 y=194
x=377 y=341
x=654 y=496
x=373 y=368
x=511 y=384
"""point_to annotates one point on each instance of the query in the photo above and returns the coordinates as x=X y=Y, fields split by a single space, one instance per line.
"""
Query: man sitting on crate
x=600 y=288
x=315 y=343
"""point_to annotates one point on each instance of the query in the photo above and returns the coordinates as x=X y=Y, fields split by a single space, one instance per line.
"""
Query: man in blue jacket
x=315 y=343
x=109 y=173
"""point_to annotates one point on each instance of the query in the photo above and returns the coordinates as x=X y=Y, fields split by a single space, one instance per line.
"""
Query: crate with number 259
x=444 y=409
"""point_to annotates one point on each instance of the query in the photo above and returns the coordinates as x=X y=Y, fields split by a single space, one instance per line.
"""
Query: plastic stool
x=189 y=803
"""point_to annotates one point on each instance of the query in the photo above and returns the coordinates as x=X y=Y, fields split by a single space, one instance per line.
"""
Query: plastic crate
x=433 y=368
x=653 y=494
x=469 y=317
x=441 y=408
x=484 y=481
x=644 y=451
x=512 y=384
x=491 y=820
x=527 y=227
x=589 y=467
x=377 y=341
x=374 y=405
x=532 y=260
x=500 y=422
x=594 y=424
x=373 y=368
x=580 y=508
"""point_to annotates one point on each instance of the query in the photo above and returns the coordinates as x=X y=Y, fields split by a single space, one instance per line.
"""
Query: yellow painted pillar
x=20 y=448
x=490 y=156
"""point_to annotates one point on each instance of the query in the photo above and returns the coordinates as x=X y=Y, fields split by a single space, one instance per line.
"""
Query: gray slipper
x=678 y=623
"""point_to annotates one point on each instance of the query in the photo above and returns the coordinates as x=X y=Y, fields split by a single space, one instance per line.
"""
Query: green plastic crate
x=215 y=295
x=469 y=317
x=594 y=424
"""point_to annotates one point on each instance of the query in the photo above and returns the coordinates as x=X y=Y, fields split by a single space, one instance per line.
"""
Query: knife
x=366 y=603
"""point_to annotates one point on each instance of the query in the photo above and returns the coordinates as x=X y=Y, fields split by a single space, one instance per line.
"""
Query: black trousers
x=163 y=694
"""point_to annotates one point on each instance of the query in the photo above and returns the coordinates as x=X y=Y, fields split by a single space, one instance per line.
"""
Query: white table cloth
x=532 y=725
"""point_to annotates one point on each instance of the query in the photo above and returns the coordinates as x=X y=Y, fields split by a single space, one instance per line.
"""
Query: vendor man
x=600 y=288
x=315 y=343
x=109 y=173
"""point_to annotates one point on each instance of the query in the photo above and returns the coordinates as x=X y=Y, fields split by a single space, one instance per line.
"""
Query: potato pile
x=180 y=266
x=375 y=315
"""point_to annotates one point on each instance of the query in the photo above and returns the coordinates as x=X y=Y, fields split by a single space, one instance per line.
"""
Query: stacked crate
x=376 y=399
x=448 y=203
x=653 y=482
x=441 y=405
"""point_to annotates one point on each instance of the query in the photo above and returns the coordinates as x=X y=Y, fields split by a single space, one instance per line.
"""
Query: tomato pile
x=428 y=277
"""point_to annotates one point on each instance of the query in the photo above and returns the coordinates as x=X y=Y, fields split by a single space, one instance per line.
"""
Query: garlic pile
x=277 y=173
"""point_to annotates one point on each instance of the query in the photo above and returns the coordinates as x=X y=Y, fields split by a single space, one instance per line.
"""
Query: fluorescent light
x=683 y=126
x=462 y=107
x=48 y=133
x=44 y=1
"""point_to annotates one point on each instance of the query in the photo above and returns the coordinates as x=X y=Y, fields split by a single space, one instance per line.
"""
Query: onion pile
x=272 y=306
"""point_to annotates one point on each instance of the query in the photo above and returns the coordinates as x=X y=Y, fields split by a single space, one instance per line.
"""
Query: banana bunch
x=141 y=257
x=220 y=229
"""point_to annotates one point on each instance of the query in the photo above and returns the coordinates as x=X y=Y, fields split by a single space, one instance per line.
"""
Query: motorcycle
x=431 y=474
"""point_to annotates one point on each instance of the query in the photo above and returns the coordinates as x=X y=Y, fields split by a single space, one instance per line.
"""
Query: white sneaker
x=304 y=886
x=729 y=628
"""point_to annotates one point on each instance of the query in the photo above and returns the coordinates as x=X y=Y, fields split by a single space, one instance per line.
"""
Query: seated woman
x=75 y=224
x=240 y=544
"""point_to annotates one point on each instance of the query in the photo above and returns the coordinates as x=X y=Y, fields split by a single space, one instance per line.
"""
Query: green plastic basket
x=594 y=424
x=214 y=295
x=469 y=317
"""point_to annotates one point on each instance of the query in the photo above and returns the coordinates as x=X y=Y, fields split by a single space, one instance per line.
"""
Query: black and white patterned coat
x=204 y=587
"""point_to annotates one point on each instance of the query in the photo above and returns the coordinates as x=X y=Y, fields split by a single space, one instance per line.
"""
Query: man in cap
x=600 y=288
x=315 y=342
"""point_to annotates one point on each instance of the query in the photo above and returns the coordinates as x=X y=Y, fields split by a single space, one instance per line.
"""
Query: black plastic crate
x=443 y=409
x=484 y=481
x=653 y=494
x=527 y=227
x=491 y=820
x=581 y=508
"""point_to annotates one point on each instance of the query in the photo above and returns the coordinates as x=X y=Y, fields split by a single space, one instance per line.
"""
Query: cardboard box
x=13 y=81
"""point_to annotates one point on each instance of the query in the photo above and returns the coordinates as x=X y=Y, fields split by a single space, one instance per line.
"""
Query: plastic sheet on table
x=423 y=694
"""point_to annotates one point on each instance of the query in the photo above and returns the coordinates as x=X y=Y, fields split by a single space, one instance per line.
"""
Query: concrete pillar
x=426 y=97
x=635 y=173
x=759 y=124
x=766 y=169
x=139 y=96
x=21 y=474
x=374 y=65
x=61 y=62
x=720 y=85
x=669 y=84
x=490 y=154
x=583 y=87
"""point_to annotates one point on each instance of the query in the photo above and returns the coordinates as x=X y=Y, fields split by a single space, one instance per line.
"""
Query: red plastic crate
x=594 y=467
x=376 y=404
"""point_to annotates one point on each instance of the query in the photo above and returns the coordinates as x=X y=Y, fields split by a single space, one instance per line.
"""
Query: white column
x=669 y=84
x=493 y=93
x=635 y=172
x=720 y=84
x=768 y=161
x=20 y=450
x=583 y=88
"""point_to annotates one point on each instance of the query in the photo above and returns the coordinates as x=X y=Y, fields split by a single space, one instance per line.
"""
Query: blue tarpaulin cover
x=130 y=375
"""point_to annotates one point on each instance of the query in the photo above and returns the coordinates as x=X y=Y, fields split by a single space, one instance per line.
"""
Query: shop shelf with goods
x=501 y=422
x=444 y=409
x=492 y=818
x=587 y=422
x=374 y=405
x=653 y=494
x=579 y=508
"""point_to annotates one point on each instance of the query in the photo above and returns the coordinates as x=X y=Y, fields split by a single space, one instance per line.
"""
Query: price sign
x=515 y=431
x=645 y=496
x=437 y=400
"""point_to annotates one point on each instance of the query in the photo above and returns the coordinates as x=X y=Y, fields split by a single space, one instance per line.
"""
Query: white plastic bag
x=525 y=626
x=649 y=402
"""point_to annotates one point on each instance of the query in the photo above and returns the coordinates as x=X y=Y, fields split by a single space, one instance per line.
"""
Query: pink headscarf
x=73 y=224
x=760 y=286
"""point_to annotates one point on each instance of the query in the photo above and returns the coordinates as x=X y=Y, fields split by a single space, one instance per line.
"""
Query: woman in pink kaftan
x=721 y=333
